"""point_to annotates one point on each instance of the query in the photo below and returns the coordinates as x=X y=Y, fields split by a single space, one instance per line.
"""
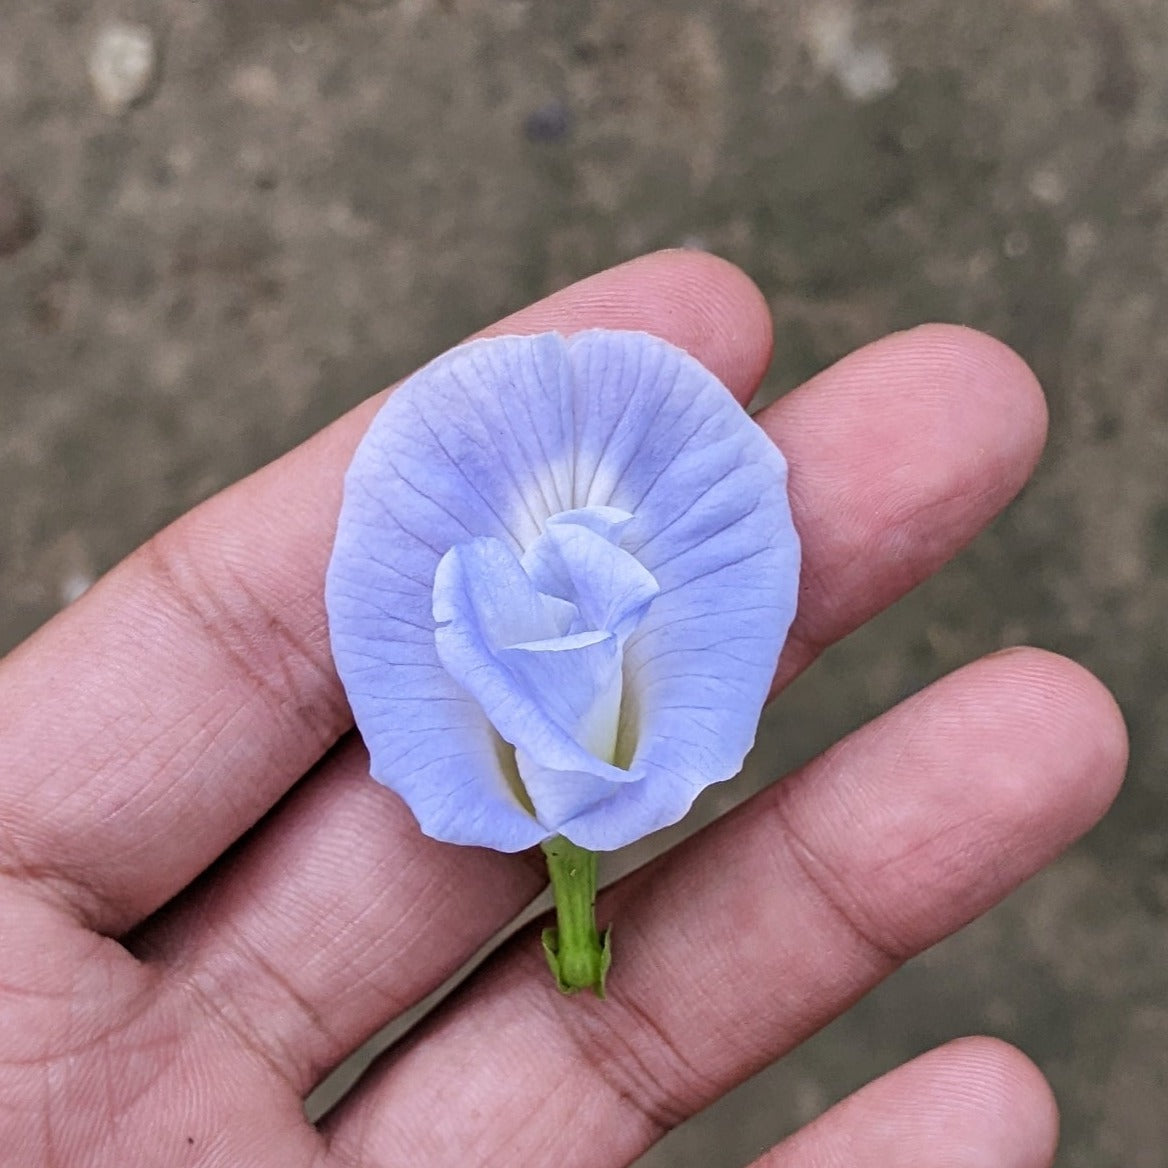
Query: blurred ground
x=313 y=197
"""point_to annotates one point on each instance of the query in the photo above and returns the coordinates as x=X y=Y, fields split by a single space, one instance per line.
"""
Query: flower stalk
x=576 y=953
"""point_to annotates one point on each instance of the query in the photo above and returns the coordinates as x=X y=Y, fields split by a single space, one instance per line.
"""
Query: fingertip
x=730 y=307
x=985 y=397
x=996 y=770
x=982 y=367
x=695 y=300
x=914 y=437
x=979 y=353
x=1072 y=709
x=991 y=1097
x=971 y=1103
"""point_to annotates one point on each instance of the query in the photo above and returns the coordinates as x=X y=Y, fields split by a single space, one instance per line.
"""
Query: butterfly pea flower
x=563 y=572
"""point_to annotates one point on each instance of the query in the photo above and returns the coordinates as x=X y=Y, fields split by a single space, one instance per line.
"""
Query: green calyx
x=576 y=953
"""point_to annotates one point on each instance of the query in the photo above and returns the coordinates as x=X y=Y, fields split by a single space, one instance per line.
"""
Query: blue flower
x=563 y=573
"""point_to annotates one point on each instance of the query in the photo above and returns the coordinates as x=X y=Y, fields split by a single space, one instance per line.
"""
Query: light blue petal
x=483 y=580
x=606 y=521
x=631 y=812
x=712 y=524
x=496 y=440
x=611 y=589
x=537 y=690
x=562 y=796
x=576 y=680
x=447 y=459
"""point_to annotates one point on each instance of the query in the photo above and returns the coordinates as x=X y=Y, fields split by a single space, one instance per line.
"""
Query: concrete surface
x=310 y=197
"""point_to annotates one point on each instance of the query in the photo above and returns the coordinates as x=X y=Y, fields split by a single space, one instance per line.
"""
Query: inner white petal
x=578 y=681
x=597 y=730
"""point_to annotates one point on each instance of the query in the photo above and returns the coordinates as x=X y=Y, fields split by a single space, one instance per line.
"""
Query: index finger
x=154 y=721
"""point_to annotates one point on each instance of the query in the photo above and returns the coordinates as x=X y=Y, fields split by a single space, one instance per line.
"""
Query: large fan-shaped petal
x=707 y=490
x=495 y=440
x=452 y=455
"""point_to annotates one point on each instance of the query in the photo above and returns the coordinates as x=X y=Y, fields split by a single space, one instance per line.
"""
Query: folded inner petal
x=561 y=797
x=550 y=692
x=484 y=578
x=578 y=680
x=606 y=521
x=609 y=587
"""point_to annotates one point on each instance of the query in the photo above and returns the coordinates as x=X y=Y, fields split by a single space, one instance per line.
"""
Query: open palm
x=205 y=903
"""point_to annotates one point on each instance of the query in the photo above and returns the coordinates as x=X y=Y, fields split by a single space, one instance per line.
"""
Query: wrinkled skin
x=167 y=998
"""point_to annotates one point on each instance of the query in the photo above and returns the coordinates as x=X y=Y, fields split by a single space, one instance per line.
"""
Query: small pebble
x=866 y=72
x=19 y=221
x=550 y=122
x=74 y=586
x=1047 y=186
x=863 y=69
x=122 y=65
x=1016 y=244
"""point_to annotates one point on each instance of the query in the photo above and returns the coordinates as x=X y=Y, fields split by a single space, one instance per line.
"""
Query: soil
x=311 y=197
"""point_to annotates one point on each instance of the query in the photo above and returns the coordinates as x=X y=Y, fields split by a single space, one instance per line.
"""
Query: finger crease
x=216 y=1006
x=269 y=655
x=826 y=886
x=636 y=1059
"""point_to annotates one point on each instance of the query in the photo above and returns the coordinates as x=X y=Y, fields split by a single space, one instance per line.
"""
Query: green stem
x=579 y=958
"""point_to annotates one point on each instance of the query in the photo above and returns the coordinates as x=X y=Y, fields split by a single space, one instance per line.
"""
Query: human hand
x=175 y=976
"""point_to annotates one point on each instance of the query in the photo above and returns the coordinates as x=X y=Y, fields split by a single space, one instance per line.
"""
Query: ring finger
x=756 y=932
